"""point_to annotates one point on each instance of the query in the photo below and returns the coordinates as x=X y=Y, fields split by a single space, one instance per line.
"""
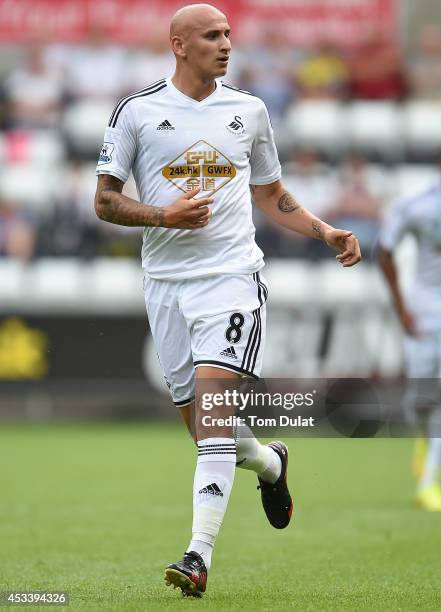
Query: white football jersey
x=173 y=143
x=420 y=216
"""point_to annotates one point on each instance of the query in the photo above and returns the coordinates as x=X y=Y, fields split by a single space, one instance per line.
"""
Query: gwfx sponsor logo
x=202 y=166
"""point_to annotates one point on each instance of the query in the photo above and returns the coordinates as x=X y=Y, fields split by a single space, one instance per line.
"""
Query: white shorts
x=216 y=321
x=423 y=355
x=422 y=360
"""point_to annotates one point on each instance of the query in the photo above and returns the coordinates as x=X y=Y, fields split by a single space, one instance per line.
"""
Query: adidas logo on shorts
x=165 y=125
x=229 y=352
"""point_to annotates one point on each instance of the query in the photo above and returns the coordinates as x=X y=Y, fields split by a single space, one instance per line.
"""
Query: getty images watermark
x=242 y=401
x=351 y=407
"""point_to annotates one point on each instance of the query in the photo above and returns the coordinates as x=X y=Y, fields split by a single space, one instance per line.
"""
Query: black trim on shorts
x=255 y=337
x=262 y=284
x=182 y=403
x=226 y=366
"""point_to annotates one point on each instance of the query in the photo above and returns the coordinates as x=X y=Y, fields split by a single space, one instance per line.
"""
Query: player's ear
x=178 y=46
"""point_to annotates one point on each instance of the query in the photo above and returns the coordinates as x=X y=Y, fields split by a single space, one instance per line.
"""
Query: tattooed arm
x=282 y=207
x=184 y=213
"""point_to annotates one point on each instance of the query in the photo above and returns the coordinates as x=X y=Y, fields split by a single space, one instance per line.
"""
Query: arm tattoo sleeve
x=317 y=229
x=116 y=208
x=287 y=204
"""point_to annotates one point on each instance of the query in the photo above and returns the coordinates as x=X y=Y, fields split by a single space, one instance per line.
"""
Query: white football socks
x=252 y=455
x=433 y=458
x=432 y=463
x=213 y=481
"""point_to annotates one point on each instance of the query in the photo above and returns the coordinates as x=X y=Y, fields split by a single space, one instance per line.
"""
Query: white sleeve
x=264 y=161
x=397 y=223
x=119 y=148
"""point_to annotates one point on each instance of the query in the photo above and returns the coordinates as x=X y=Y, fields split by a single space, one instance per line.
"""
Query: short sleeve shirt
x=421 y=217
x=173 y=143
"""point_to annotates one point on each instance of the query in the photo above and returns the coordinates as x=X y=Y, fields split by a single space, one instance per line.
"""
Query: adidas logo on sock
x=212 y=489
x=165 y=125
x=229 y=352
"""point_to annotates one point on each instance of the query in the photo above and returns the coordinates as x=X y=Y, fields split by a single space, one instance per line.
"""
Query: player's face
x=208 y=48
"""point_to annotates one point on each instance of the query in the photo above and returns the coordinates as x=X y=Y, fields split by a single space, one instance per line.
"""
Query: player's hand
x=408 y=322
x=346 y=244
x=188 y=213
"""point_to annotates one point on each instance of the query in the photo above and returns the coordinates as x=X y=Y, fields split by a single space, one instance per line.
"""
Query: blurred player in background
x=420 y=317
x=204 y=293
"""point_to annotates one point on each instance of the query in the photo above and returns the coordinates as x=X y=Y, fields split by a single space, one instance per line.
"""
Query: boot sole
x=179 y=579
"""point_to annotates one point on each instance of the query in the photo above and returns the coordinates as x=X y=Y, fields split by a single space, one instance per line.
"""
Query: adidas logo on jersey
x=229 y=352
x=165 y=125
x=236 y=126
x=212 y=489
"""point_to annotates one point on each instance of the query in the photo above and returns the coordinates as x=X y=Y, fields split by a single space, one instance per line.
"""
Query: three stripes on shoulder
x=148 y=91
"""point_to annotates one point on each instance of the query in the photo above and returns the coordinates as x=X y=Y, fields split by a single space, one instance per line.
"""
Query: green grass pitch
x=99 y=510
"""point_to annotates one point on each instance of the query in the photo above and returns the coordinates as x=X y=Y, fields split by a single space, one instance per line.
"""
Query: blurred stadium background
x=354 y=92
x=99 y=508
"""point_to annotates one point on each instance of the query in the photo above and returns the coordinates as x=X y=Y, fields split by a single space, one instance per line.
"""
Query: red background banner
x=133 y=21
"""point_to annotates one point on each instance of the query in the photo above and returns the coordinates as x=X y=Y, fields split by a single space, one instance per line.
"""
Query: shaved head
x=200 y=41
x=193 y=16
